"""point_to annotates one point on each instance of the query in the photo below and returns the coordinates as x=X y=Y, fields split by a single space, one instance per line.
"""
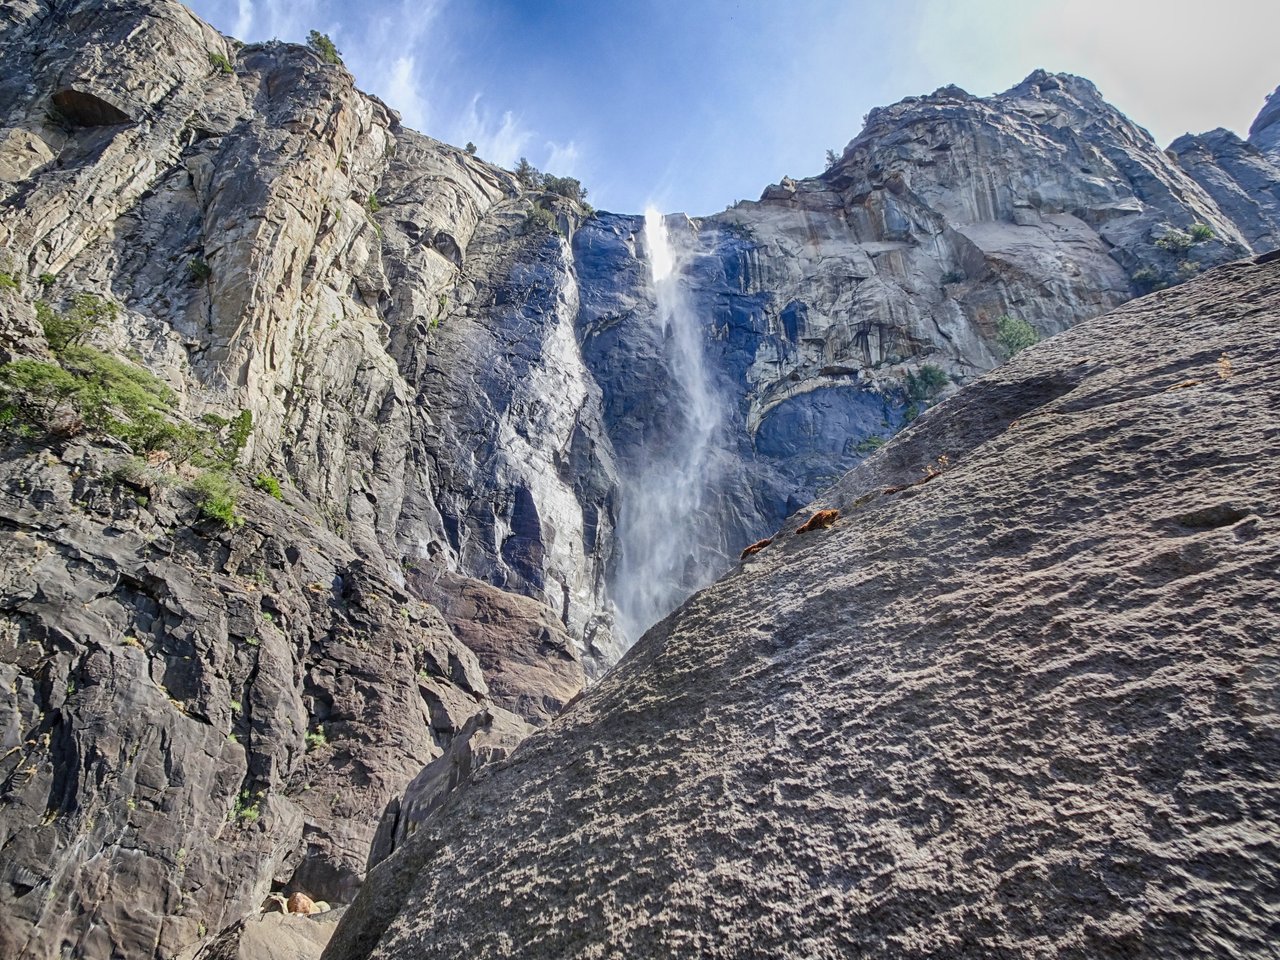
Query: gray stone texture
x=1019 y=701
x=452 y=399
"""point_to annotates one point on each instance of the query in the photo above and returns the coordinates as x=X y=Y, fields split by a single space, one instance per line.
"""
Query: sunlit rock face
x=819 y=302
x=1264 y=132
x=1032 y=657
x=458 y=404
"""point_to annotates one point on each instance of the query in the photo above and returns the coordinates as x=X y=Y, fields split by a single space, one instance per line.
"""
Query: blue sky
x=693 y=104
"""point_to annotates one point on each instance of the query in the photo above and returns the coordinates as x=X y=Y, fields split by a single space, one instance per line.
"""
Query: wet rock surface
x=1018 y=700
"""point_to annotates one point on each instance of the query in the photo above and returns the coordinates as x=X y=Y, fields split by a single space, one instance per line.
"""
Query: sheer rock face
x=452 y=399
x=1264 y=133
x=195 y=715
x=1243 y=181
x=1019 y=700
x=946 y=213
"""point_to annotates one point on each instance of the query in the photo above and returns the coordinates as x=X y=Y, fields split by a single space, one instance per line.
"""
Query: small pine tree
x=471 y=148
x=528 y=174
x=321 y=44
x=832 y=159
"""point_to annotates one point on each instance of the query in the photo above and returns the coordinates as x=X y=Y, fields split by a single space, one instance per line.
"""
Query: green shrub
x=373 y=203
x=832 y=159
x=1200 y=232
x=241 y=426
x=321 y=44
x=8 y=281
x=216 y=494
x=316 y=739
x=1014 y=334
x=199 y=270
x=34 y=391
x=219 y=62
x=269 y=484
x=62 y=330
x=1147 y=279
x=568 y=187
x=246 y=808
x=540 y=221
x=869 y=445
x=924 y=385
x=471 y=148
x=47 y=280
x=528 y=174
x=1175 y=241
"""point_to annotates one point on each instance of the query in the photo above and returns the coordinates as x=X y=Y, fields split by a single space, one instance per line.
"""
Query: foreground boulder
x=1024 y=704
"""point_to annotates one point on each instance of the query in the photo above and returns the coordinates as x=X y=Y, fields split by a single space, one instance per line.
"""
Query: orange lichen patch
x=756 y=547
x=820 y=521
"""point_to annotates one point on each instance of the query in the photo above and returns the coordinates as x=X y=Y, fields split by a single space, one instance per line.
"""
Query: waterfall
x=663 y=521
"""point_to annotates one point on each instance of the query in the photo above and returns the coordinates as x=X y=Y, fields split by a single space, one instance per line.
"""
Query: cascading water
x=665 y=501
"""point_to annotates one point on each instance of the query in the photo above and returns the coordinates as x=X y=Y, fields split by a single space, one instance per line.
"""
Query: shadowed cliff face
x=1019 y=700
x=454 y=401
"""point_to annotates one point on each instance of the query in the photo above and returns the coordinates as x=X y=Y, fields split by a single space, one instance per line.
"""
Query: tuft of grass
x=9 y=282
x=216 y=494
x=219 y=62
x=269 y=484
x=246 y=809
x=1200 y=232
x=316 y=739
x=46 y=280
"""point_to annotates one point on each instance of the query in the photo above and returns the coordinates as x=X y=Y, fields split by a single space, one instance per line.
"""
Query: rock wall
x=1018 y=700
x=451 y=397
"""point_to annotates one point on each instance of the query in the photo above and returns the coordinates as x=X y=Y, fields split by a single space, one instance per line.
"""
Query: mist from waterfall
x=661 y=561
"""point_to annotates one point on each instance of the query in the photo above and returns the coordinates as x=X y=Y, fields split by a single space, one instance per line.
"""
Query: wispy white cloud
x=562 y=158
x=502 y=140
x=403 y=90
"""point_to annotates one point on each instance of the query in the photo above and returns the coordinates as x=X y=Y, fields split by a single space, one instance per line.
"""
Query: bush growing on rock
x=269 y=484
x=88 y=312
x=924 y=385
x=219 y=62
x=321 y=44
x=200 y=270
x=528 y=174
x=1200 y=232
x=1175 y=241
x=540 y=221
x=1014 y=335
x=568 y=187
x=216 y=496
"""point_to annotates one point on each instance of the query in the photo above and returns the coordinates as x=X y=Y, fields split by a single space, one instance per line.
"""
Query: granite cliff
x=1018 y=700
x=318 y=432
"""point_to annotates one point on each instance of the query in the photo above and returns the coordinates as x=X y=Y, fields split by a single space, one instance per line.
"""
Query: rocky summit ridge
x=319 y=433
